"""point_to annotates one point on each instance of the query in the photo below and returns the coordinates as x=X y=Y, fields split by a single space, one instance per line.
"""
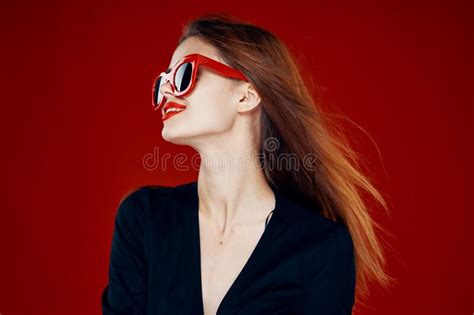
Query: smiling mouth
x=172 y=111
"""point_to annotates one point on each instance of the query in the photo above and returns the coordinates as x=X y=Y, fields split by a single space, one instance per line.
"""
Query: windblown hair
x=291 y=115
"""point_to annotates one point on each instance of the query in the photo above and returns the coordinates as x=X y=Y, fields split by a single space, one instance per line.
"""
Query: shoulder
x=142 y=194
x=134 y=205
x=327 y=232
x=321 y=240
x=141 y=200
x=330 y=244
x=336 y=243
x=309 y=221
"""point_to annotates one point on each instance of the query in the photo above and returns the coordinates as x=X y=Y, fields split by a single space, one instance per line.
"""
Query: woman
x=275 y=223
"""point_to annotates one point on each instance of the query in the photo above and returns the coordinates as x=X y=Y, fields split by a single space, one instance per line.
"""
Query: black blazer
x=302 y=264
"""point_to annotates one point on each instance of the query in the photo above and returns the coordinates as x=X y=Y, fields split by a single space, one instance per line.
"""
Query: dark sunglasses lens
x=183 y=76
x=157 y=96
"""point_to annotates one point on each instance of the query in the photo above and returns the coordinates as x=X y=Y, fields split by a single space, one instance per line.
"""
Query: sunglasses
x=183 y=76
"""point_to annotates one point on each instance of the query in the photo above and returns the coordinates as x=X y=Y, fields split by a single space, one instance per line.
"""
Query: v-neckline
x=258 y=250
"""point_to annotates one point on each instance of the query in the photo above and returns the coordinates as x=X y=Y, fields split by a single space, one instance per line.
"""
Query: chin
x=173 y=136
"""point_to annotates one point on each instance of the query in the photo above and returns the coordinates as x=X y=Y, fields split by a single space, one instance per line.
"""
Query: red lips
x=171 y=114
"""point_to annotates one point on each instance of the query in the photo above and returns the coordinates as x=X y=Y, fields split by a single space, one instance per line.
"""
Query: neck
x=233 y=191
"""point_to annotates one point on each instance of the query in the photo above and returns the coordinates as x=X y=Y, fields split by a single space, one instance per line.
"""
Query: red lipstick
x=170 y=114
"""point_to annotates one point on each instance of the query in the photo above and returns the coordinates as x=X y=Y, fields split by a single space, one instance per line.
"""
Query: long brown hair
x=291 y=115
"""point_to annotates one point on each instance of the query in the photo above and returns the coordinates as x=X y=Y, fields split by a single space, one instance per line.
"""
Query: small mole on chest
x=266 y=222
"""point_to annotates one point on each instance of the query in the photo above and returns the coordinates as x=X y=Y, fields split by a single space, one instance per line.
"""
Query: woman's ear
x=247 y=97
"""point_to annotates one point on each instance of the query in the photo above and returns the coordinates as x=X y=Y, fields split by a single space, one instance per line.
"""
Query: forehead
x=194 y=45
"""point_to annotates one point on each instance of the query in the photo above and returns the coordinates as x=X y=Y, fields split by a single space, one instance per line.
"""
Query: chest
x=222 y=263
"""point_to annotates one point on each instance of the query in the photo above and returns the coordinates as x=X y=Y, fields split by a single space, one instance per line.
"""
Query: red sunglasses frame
x=196 y=60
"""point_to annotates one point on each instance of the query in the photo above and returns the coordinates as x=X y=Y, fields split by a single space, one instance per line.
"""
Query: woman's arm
x=127 y=287
x=331 y=277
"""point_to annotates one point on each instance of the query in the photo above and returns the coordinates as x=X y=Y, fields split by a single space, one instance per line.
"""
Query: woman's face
x=210 y=106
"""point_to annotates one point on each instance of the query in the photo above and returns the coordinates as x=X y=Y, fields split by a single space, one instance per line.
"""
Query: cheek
x=210 y=103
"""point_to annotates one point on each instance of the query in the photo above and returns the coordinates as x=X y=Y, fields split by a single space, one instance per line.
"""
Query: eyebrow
x=168 y=70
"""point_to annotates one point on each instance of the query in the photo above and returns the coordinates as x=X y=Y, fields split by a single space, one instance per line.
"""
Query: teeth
x=172 y=109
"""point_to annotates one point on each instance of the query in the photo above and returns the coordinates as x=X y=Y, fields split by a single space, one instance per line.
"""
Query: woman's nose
x=166 y=89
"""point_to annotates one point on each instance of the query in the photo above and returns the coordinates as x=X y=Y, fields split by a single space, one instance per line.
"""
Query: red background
x=77 y=124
